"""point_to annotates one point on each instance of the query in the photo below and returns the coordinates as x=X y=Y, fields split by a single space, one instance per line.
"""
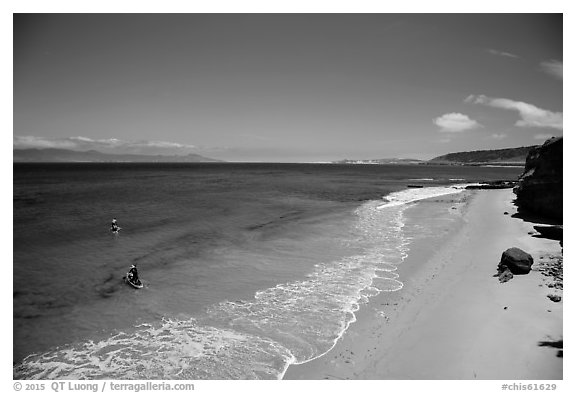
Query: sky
x=287 y=87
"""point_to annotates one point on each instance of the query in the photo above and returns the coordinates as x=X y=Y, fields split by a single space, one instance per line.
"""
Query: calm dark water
x=247 y=267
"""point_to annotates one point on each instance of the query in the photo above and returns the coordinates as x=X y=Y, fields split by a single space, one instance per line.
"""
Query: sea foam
x=258 y=338
x=418 y=194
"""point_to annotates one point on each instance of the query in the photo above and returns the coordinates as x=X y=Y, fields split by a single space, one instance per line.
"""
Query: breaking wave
x=259 y=338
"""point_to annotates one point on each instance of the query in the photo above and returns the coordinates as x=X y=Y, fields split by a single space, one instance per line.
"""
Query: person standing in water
x=114 y=226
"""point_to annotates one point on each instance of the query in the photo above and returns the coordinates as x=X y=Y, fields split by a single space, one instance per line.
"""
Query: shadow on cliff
x=535 y=218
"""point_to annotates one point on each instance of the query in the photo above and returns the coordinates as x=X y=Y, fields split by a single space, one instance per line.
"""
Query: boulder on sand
x=516 y=260
x=504 y=275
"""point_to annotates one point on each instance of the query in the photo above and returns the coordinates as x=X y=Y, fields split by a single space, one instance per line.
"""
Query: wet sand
x=453 y=320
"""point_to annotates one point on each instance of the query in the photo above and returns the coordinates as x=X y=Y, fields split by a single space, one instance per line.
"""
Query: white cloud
x=553 y=67
x=455 y=122
x=501 y=53
x=111 y=145
x=543 y=137
x=530 y=115
x=498 y=136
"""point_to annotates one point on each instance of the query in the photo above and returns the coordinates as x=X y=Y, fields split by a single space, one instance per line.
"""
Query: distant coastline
x=65 y=155
x=515 y=157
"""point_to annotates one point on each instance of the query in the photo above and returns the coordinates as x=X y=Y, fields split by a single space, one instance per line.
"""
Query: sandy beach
x=453 y=319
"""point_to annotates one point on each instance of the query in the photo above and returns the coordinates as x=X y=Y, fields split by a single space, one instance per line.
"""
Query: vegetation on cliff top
x=512 y=155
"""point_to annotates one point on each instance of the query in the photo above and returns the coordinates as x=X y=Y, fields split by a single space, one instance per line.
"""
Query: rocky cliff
x=539 y=190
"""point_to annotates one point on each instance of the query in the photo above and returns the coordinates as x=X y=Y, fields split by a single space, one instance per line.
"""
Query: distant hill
x=500 y=156
x=64 y=155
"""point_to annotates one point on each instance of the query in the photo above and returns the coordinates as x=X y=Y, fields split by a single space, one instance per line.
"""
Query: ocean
x=247 y=267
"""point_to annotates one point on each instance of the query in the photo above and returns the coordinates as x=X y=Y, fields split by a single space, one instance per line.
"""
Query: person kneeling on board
x=133 y=274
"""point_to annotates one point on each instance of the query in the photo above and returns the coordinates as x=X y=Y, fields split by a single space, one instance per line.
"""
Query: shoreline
x=445 y=195
x=453 y=319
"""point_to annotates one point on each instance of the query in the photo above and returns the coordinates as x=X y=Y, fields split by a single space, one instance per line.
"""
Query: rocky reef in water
x=493 y=185
x=539 y=189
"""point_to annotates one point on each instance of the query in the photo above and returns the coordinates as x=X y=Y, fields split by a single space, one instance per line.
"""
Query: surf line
x=293 y=360
x=355 y=304
x=414 y=195
x=402 y=200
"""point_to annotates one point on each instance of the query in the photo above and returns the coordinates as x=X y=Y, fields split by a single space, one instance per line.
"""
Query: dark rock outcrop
x=516 y=260
x=493 y=185
x=555 y=298
x=553 y=232
x=539 y=190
